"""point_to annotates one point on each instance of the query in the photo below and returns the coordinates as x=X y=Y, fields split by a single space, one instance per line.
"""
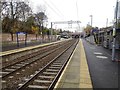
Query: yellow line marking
x=85 y=79
x=22 y=49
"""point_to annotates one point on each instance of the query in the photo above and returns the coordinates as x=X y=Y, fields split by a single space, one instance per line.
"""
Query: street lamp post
x=91 y=19
x=91 y=26
x=114 y=32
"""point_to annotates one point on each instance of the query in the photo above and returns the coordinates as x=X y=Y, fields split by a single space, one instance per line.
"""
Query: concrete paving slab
x=71 y=78
x=70 y=85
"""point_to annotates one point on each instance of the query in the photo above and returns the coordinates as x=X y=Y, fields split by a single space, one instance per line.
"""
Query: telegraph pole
x=51 y=33
x=114 y=32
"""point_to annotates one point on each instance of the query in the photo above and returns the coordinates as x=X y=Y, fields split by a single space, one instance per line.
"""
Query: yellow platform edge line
x=65 y=68
x=85 y=79
x=22 y=49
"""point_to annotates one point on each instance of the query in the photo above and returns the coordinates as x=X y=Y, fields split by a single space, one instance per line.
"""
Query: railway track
x=42 y=65
x=8 y=63
x=27 y=60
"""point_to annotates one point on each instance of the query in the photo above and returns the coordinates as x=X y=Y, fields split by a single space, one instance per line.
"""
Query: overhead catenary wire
x=77 y=15
x=52 y=9
x=56 y=8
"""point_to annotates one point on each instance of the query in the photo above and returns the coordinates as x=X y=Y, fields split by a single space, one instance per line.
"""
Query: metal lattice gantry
x=63 y=22
x=66 y=22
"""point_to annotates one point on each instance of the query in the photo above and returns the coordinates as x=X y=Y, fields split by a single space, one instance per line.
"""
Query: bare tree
x=40 y=18
x=24 y=11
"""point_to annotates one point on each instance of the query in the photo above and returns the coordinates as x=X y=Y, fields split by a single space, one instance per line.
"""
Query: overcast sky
x=65 y=10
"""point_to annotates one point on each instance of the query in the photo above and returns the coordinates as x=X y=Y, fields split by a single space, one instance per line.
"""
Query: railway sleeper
x=1 y=73
x=19 y=64
x=37 y=87
x=52 y=70
x=49 y=77
x=3 y=81
x=58 y=62
x=42 y=81
x=56 y=65
x=50 y=73
x=16 y=67
x=9 y=69
x=52 y=67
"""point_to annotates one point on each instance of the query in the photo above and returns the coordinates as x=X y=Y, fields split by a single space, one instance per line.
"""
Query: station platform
x=76 y=73
x=14 y=50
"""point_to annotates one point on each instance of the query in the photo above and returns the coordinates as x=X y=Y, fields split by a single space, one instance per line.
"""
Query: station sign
x=21 y=36
x=21 y=33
